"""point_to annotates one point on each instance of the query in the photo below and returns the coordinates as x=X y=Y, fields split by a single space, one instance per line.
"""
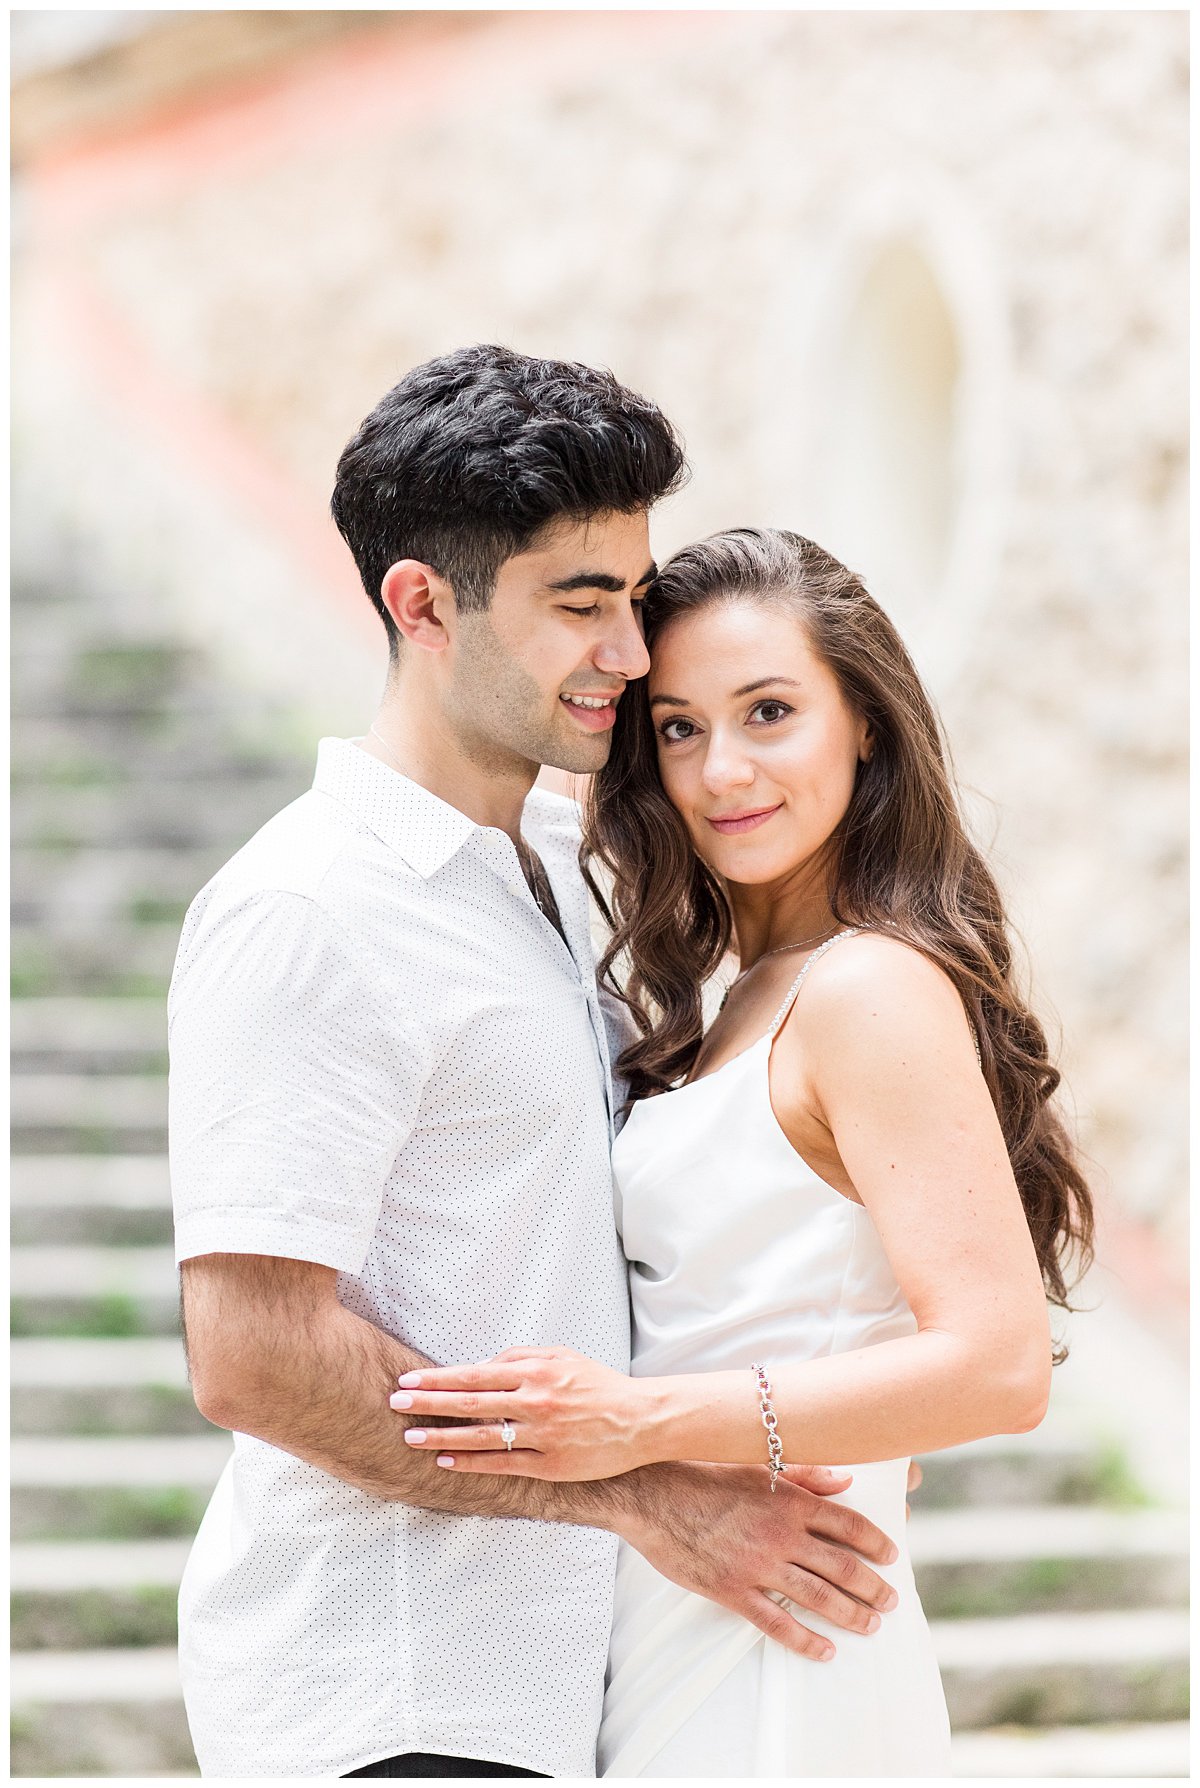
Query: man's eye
x=593 y=608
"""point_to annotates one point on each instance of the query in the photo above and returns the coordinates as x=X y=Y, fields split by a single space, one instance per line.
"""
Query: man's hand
x=718 y=1530
x=274 y=1354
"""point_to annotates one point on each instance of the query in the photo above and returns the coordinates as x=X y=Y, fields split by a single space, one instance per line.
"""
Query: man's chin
x=582 y=755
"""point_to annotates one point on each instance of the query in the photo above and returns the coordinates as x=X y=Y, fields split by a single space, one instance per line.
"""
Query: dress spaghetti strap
x=798 y=983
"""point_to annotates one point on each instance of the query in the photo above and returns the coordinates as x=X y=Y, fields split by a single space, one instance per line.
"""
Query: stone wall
x=914 y=283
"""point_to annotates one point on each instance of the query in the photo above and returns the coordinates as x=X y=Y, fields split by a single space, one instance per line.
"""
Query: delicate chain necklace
x=388 y=749
x=779 y=950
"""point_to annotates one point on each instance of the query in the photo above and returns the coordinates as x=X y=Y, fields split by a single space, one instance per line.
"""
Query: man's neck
x=411 y=735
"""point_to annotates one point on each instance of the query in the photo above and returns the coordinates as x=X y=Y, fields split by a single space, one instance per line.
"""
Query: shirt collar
x=425 y=830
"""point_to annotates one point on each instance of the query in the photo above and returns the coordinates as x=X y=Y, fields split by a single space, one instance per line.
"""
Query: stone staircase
x=1056 y=1587
x=137 y=770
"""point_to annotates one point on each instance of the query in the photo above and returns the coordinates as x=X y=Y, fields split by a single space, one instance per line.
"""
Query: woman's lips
x=744 y=822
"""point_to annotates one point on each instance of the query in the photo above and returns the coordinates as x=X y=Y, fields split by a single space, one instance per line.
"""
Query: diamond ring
x=507 y=1433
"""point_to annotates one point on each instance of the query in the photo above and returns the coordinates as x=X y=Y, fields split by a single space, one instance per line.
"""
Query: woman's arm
x=879 y=1052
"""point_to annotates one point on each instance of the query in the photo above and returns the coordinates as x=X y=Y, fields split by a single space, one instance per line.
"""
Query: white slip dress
x=738 y=1252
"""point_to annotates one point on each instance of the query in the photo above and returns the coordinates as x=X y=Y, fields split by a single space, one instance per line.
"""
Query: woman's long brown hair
x=902 y=864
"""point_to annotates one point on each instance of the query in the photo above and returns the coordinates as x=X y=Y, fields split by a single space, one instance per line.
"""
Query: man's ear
x=419 y=602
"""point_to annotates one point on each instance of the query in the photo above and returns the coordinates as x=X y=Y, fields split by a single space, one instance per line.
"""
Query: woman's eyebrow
x=677 y=701
x=766 y=683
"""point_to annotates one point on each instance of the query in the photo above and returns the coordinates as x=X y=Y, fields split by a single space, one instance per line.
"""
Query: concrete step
x=977 y=1562
x=95 y=1365
x=87 y=751
x=68 y=1595
x=120 y=1712
x=82 y=1035
x=53 y=1568
x=93 y=1387
x=91 y=1181
x=105 y=1463
x=87 y=882
x=94 y=1291
x=1103 y=1751
x=78 y=1113
x=154 y=811
x=117 y=1200
x=1060 y=1462
x=83 y=1593
x=1064 y=1669
x=110 y=1713
x=169 y=705
x=113 y=1488
x=95 y=955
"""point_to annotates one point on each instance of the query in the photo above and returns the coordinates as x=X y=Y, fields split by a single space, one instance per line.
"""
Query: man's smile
x=596 y=713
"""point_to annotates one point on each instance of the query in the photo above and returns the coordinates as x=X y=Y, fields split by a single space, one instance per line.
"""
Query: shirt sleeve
x=294 y=1083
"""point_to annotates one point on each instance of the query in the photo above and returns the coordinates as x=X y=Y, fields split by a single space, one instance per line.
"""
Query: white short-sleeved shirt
x=384 y=1058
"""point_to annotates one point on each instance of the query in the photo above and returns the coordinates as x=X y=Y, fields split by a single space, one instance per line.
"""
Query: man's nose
x=622 y=652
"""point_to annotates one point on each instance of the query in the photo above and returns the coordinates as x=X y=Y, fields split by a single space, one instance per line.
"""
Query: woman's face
x=757 y=746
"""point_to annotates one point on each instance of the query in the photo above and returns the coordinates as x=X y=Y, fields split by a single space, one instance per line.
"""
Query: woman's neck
x=770 y=919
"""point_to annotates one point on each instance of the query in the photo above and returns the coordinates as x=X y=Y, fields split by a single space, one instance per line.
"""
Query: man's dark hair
x=473 y=455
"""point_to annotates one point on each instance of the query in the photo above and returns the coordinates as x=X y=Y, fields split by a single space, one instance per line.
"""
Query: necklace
x=779 y=950
x=387 y=748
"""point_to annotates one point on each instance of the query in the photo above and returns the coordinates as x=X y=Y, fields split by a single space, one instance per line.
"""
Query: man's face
x=537 y=676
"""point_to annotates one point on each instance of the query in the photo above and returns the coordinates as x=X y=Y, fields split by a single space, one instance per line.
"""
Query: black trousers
x=425 y=1763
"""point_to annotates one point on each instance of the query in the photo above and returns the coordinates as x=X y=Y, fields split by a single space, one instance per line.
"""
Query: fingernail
x=826 y=1654
x=445 y=1458
x=890 y=1599
x=409 y=1380
x=415 y=1436
x=894 y=1556
x=400 y=1400
x=873 y=1623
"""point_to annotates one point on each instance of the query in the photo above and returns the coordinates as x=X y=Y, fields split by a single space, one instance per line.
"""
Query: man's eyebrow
x=600 y=580
x=677 y=701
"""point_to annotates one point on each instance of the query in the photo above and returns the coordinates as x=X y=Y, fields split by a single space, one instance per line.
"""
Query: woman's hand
x=569 y=1418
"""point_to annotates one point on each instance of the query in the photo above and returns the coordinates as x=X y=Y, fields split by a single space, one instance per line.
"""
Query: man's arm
x=274 y=1354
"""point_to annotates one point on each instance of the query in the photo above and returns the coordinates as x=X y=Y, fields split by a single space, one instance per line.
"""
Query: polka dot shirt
x=385 y=1058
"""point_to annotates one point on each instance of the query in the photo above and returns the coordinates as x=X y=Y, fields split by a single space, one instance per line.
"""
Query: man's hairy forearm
x=314 y=1380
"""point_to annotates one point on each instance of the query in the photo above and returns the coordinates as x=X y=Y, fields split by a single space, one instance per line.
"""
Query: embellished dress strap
x=798 y=983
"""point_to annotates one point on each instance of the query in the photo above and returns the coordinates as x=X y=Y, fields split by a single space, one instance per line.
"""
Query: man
x=391 y=1107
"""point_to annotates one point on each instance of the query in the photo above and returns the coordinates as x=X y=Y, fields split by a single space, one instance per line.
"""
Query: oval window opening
x=891 y=465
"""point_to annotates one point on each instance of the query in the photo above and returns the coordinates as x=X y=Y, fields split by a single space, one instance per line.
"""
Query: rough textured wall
x=696 y=200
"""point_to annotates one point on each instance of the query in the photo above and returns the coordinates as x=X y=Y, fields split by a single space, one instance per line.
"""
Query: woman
x=843 y=1211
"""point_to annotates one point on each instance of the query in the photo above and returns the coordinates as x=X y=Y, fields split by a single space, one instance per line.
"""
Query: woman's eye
x=770 y=712
x=668 y=731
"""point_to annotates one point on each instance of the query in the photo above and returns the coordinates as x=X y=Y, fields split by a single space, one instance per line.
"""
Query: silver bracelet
x=774 y=1444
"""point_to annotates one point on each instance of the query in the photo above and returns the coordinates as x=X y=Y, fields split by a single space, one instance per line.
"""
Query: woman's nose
x=725 y=767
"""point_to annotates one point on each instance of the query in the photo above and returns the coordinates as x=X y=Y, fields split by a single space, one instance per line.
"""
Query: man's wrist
x=632 y=1506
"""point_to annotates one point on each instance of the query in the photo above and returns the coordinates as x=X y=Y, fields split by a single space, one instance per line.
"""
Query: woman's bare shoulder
x=874 y=977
